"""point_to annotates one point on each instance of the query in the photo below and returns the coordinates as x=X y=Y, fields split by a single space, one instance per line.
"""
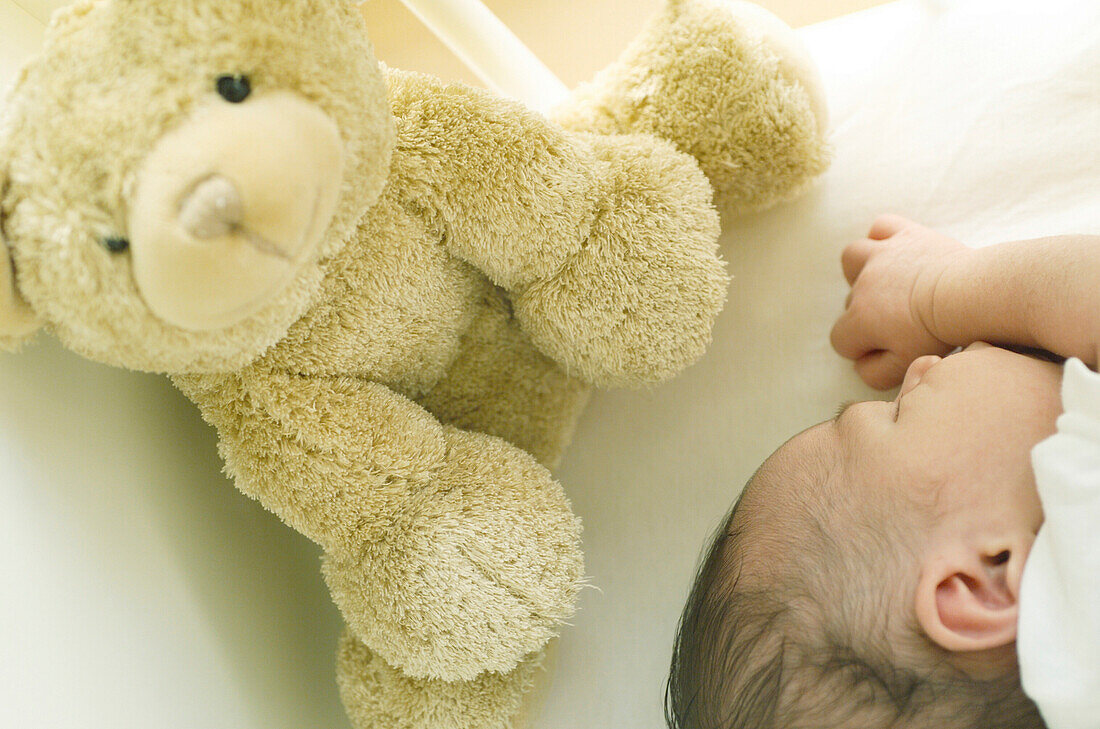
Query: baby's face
x=952 y=450
x=892 y=536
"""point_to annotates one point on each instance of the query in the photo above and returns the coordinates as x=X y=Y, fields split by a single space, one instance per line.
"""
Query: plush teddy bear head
x=174 y=174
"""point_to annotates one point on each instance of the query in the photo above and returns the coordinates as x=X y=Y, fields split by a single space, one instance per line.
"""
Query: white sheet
x=139 y=588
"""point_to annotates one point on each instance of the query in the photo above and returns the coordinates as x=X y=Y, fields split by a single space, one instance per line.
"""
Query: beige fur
x=728 y=83
x=397 y=390
x=17 y=320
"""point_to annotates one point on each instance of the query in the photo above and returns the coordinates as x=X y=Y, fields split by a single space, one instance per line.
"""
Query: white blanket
x=140 y=589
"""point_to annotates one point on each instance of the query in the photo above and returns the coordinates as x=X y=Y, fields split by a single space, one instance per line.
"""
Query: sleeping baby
x=933 y=561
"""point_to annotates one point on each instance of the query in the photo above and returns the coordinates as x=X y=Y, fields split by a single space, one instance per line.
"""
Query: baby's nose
x=916 y=371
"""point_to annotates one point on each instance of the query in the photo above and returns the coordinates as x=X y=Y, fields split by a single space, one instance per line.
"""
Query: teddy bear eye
x=234 y=89
x=115 y=245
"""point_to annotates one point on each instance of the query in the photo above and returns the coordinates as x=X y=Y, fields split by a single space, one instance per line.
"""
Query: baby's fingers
x=887 y=225
x=851 y=336
x=855 y=256
x=882 y=369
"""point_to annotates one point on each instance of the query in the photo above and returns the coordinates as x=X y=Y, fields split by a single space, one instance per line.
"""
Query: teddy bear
x=391 y=295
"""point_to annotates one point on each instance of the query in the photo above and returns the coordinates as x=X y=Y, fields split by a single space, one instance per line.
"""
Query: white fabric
x=140 y=589
x=1059 y=629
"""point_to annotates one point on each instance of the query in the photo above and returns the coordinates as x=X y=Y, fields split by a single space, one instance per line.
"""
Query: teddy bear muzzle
x=229 y=206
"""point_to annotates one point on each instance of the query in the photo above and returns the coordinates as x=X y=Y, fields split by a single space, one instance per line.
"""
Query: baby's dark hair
x=765 y=657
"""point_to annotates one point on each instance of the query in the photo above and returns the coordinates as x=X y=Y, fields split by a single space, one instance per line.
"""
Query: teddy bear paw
x=377 y=695
x=475 y=570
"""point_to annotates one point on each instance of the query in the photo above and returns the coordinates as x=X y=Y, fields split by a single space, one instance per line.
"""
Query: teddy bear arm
x=449 y=552
x=607 y=245
x=636 y=304
x=725 y=81
x=509 y=192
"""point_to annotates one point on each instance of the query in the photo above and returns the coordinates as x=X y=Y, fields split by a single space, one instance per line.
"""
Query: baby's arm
x=916 y=292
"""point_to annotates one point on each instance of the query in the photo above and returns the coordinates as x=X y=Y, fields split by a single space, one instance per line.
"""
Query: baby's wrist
x=933 y=303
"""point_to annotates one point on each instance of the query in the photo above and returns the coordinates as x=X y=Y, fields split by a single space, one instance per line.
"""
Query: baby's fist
x=887 y=322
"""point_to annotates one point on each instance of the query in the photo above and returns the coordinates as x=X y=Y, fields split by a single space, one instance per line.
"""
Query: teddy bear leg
x=449 y=552
x=725 y=81
x=378 y=696
x=467 y=572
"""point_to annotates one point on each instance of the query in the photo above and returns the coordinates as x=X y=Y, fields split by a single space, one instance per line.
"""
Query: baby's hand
x=893 y=274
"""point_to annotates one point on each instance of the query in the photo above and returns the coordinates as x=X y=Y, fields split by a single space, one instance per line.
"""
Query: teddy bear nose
x=212 y=209
x=229 y=204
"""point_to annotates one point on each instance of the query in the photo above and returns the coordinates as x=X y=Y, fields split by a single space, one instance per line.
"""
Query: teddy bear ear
x=17 y=320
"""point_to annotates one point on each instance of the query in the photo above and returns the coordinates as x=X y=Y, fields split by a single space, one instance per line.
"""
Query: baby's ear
x=18 y=322
x=968 y=598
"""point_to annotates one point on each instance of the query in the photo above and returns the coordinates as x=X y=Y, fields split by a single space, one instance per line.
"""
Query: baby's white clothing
x=1058 y=639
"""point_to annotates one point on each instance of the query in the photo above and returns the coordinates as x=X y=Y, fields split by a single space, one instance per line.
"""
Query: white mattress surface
x=140 y=589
